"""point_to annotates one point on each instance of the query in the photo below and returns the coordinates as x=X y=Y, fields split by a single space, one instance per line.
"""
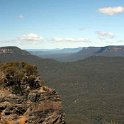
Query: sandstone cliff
x=24 y=99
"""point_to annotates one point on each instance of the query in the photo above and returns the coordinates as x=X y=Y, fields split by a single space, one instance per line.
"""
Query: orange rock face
x=33 y=104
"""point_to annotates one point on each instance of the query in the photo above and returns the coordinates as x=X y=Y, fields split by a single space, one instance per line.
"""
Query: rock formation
x=24 y=99
x=12 y=50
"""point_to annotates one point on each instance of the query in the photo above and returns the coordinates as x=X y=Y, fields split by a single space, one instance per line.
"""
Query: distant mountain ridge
x=58 y=50
x=56 y=54
x=112 y=50
x=13 y=50
x=81 y=53
x=91 y=88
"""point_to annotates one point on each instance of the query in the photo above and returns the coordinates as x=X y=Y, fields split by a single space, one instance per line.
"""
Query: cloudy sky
x=48 y=24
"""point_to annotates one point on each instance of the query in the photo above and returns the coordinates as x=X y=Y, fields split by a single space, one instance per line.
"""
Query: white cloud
x=103 y=34
x=20 y=16
x=31 y=37
x=69 y=39
x=111 y=10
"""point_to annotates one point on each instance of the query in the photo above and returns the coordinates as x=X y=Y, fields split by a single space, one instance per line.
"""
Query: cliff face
x=12 y=50
x=27 y=101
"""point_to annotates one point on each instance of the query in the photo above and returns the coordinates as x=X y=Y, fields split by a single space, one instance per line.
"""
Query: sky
x=49 y=24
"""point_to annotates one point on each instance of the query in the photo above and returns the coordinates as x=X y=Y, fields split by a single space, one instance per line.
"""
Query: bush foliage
x=15 y=74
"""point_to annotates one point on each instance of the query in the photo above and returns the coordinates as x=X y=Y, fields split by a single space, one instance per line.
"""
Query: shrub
x=16 y=73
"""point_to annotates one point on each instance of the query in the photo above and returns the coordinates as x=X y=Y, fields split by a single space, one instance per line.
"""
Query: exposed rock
x=12 y=50
x=37 y=105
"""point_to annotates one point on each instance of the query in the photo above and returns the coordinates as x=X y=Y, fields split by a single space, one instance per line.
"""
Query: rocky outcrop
x=33 y=105
x=12 y=50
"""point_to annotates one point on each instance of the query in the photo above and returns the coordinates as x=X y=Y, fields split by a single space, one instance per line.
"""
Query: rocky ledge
x=26 y=100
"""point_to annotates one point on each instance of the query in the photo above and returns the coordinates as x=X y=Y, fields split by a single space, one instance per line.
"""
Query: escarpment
x=24 y=99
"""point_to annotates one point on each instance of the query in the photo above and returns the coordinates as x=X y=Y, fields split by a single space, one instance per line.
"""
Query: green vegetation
x=16 y=74
x=111 y=122
x=89 y=88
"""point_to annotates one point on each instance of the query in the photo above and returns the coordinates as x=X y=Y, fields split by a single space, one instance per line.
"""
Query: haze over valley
x=61 y=61
x=74 y=54
x=93 y=87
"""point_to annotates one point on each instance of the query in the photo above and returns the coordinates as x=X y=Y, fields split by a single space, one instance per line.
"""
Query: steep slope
x=91 y=89
x=111 y=51
x=24 y=99
x=12 y=50
x=82 y=54
x=108 y=51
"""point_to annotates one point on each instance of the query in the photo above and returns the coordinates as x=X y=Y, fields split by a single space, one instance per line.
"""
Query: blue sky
x=48 y=24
